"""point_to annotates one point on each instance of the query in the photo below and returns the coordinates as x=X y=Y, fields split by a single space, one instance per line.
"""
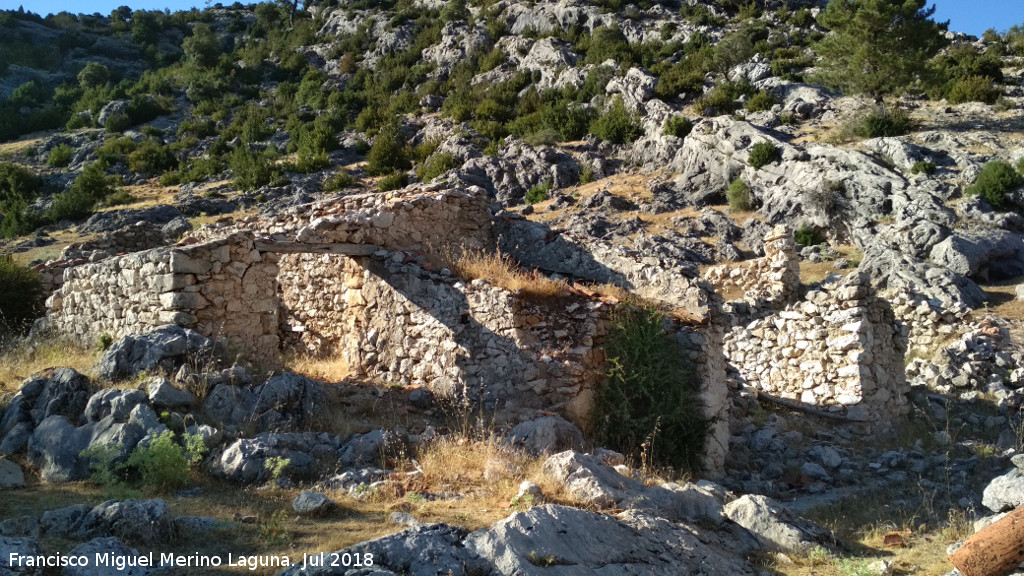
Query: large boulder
x=288 y=400
x=1006 y=492
x=61 y=392
x=554 y=539
x=11 y=549
x=423 y=549
x=590 y=480
x=108 y=547
x=55 y=447
x=146 y=522
x=545 y=435
x=246 y=460
x=994 y=255
x=775 y=527
x=166 y=348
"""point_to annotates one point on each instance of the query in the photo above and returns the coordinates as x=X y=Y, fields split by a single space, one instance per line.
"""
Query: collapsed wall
x=839 y=347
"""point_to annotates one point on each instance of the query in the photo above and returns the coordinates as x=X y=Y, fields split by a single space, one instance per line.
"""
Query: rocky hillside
x=509 y=288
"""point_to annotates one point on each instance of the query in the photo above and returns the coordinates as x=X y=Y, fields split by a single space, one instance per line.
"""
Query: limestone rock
x=245 y=460
x=23 y=546
x=423 y=549
x=112 y=547
x=774 y=526
x=591 y=481
x=288 y=400
x=546 y=538
x=313 y=504
x=1005 y=492
x=164 y=396
x=371 y=448
x=166 y=347
x=11 y=475
x=145 y=522
x=546 y=434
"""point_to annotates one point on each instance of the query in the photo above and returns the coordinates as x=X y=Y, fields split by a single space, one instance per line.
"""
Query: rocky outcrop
x=165 y=348
x=551 y=537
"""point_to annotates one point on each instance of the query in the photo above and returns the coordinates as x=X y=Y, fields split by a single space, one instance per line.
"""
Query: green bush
x=386 y=154
x=617 y=125
x=164 y=464
x=150 y=159
x=90 y=188
x=923 y=167
x=21 y=295
x=59 y=156
x=393 y=181
x=678 y=126
x=250 y=170
x=341 y=180
x=739 y=196
x=763 y=100
x=974 y=89
x=879 y=122
x=117 y=123
x=538 y=193
x=724 y=97
x=807 y=236
x=994 y=181
x=436 y=165
x=763 y=153
x=18 y=182
x=648 y=406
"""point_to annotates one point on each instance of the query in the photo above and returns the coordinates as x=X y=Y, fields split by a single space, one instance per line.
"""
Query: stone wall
x=764 y=284
x=140 y=236
x=222 y=288
x=396 y=322
x=840 y=348
x=419 y=218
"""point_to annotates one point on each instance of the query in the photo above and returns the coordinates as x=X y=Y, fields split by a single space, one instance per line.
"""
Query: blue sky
x=970 y=16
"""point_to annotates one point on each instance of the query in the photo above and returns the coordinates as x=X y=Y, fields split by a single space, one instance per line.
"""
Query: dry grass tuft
x=20 y=361
x=331 y=369
x=500 y=270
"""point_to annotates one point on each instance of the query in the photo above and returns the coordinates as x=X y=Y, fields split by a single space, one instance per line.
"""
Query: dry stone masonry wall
x=224 y=288
x=767 y=283
x=841 y=348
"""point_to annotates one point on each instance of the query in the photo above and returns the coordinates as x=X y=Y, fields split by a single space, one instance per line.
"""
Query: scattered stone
x=146 y=522
x=313 y=504
x=775 y=527
x=24 y=546
x=165 y=348
x=546 y=435
x=11 y=475
x=112 y=548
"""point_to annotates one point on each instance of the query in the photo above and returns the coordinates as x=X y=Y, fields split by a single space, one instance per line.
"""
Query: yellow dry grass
x=486 y=474
x=499 y=270
x=331 y=369
x=10 y=149
x=20 y=362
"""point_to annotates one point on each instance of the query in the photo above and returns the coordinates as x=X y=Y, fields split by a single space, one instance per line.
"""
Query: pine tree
x=876 y=47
